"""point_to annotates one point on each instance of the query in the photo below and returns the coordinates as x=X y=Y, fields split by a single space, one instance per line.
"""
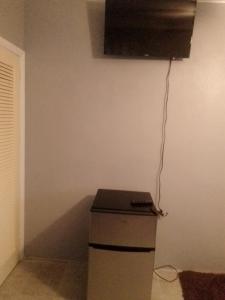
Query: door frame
x=21 y=54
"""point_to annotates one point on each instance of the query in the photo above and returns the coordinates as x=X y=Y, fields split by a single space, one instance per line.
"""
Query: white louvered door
x=9 y=161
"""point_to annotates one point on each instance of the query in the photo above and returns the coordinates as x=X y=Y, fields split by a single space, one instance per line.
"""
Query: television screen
x=151 y=28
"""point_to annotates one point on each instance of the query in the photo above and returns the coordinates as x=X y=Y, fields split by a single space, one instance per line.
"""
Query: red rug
x=202 y=286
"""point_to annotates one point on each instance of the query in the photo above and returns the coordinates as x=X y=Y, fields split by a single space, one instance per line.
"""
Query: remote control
x=139 y=203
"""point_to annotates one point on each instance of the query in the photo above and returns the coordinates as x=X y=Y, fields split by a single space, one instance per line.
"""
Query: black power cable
x=166 y=279
x=161 y=165
x=162 y=147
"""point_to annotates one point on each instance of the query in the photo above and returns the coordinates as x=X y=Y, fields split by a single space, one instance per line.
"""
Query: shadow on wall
x=67 y=238
x=96 y=21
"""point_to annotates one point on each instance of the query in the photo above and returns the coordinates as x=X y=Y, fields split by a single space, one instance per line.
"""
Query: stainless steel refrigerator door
x=115 y=275
x=123 y=230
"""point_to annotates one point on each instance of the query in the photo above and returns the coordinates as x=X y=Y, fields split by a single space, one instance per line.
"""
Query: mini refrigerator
x=121 y=246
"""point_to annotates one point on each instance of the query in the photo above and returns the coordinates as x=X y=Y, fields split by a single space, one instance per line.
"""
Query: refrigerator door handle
x=120 y=248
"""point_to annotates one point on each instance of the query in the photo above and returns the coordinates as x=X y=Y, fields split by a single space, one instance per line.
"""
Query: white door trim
x=19 y=52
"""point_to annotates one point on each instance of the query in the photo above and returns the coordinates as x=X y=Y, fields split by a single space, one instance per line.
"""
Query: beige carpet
x=43 y=280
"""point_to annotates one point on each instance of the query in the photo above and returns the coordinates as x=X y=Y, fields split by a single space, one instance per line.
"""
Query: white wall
x=95 y=122
x=193 y=236
x=12 y=21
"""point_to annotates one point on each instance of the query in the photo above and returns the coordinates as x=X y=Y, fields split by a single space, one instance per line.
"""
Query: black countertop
x=124 y=202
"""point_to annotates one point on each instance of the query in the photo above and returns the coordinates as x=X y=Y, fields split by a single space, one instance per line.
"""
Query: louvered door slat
x=4 y=83
x=5 y=103
x=7 y=116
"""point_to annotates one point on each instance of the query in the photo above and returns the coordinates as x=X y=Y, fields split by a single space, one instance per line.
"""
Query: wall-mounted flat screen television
x=151 y=28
